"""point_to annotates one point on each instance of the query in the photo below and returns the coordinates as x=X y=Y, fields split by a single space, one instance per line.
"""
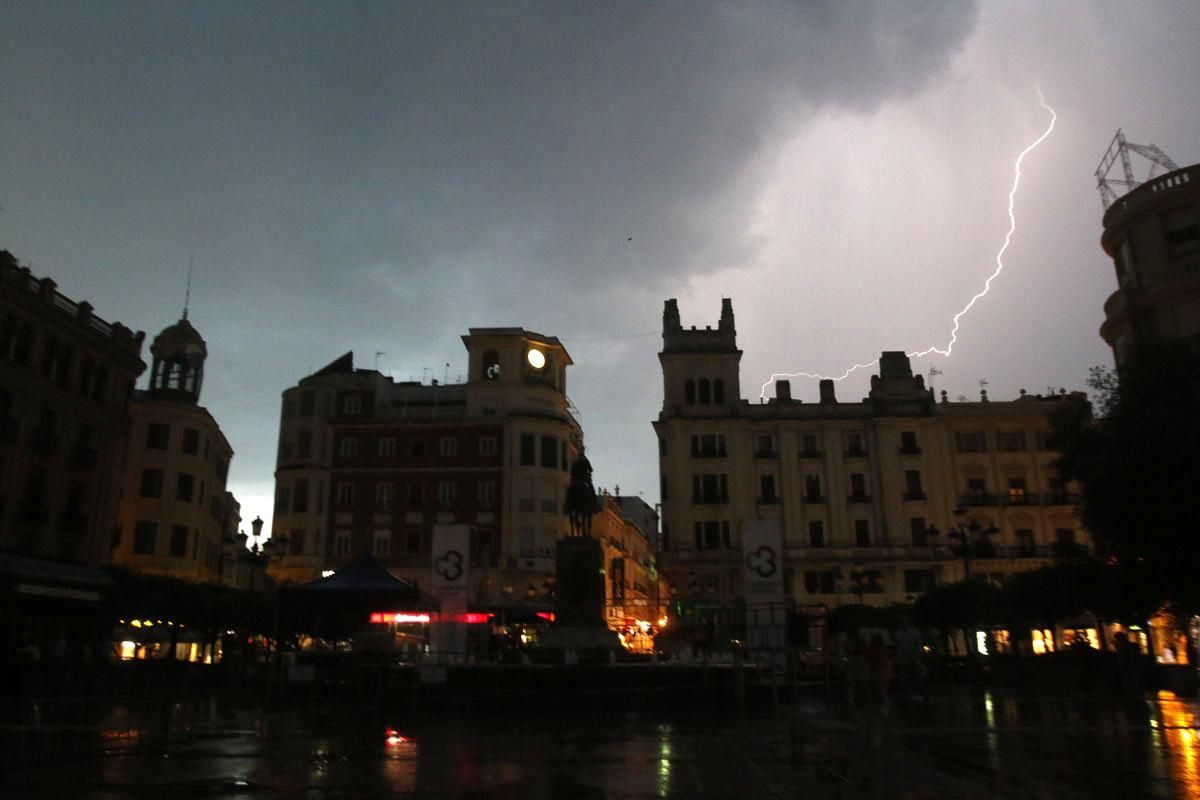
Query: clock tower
x=177 y=369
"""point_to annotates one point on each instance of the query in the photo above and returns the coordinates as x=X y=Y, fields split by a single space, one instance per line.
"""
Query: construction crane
x=1112 y=188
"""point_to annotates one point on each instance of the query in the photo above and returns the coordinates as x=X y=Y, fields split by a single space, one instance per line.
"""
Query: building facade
x=177 y=518
x=1152 y=234
x=368 y=464
x=66 y=378
x=870 y=497
x=632 y=589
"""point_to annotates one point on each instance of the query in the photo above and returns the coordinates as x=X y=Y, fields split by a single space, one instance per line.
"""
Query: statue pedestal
x=579 y=604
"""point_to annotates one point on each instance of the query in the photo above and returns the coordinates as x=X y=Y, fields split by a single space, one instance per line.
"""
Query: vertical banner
x=762 y=576
x=450 y=584
x=618 y=583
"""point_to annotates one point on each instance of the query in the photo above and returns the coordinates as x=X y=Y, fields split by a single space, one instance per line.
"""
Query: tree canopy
x=1136 y=456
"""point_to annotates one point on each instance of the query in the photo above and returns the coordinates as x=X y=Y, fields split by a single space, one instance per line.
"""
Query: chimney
x=783 y=391
x=827 y=394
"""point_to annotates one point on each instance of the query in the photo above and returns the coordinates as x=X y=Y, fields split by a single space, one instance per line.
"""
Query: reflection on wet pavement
x=968 y=743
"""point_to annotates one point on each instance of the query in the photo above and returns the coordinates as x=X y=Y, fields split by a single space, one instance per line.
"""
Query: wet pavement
x=967 y=743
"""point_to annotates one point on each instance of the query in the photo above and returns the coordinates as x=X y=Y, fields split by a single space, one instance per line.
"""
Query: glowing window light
x=128 y=650
x=325 y=573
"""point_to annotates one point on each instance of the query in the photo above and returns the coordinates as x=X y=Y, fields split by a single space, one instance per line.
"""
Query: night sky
x=384 y=176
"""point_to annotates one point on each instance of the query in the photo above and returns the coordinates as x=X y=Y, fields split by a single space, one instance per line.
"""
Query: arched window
x=689 y=392
x=491 y=365
x=705 y=392
x=719 y=391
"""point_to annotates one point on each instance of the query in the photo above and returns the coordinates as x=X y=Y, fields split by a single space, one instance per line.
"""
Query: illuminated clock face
x=536 y=358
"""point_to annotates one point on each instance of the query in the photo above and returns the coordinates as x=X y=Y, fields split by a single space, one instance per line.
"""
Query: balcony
x=856 y=452
x=915 y=496
x=976 y=499
x=814 y=499
x=859 y=498
x=910 y=450
x=768 y=453
x=804 y=453
x=710 y=499
x=768 y=501
x=1060 y=499
x=709 y=452
x=1020 y=499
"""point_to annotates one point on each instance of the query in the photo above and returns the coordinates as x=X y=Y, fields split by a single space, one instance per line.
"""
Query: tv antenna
x=1112 y=188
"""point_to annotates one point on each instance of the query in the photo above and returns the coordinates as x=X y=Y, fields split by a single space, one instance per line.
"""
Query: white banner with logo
x=762 y=576
x=450 y=584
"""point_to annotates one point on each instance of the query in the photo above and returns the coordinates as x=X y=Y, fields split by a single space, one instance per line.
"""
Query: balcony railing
x=973 y=499
x=709 y=452
x=768 y=501
x=856 y=452
x=768 y=453
x=710 y=499
x=914 y=496
x=814 y=498
x=859 y=497
x=810 y=453
x=910 y=450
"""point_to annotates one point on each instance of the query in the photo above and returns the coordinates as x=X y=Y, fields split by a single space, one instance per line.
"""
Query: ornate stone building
x=66 y=377
x=870 y=496
x=177 y=517
x=368 y=464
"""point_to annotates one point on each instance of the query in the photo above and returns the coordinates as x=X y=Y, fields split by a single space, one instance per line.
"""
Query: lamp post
x=969 y=538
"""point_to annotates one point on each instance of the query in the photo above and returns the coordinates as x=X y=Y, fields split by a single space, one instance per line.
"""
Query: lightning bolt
x=987 y=285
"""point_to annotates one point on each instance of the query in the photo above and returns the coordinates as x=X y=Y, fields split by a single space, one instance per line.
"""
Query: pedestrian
x=858 y=672
x=910 y=669
x=1129 y=664
x=882 y=665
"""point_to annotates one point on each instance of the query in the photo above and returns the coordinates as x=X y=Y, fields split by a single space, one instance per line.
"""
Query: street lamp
x=970 y=539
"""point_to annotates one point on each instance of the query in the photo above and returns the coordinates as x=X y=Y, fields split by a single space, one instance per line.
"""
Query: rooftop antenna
x=378 y=353
x=1112 y=188
x=187 y=294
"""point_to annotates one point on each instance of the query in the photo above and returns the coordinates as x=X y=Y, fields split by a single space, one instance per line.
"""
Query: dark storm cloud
x=385 y=175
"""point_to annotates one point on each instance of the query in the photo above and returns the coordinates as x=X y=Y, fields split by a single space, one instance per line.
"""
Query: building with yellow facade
x=873 y=499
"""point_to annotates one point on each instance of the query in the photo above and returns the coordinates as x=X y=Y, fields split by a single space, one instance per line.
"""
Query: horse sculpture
x=581 y=497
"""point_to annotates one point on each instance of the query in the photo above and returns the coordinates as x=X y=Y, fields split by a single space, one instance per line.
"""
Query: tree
x=1137 y=462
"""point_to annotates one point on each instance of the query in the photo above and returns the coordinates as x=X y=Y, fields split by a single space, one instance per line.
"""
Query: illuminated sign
x=402 y=617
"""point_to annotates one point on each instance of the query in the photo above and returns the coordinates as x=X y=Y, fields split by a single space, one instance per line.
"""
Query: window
x=1064 y=537
x=304 y=444
x=711 y=535
x=289 y=408
x=908 y=443
x=858 y=486
x=144 y=533
x=766 y=489
x=919 y=531
x=307 y=404
x=970 y=441
x=384 y=493
x=820 y=582
x=706 y=445
x=705 y=393
x=562 y=453
x=416 y=494
x=282 y=499
x=549 y=452
x=812 y=488
x=1025 y=543
x=808 y=446
x=152 y=482
x=341 y=543
x=689 y=392
x=157 y=436
x=382 y=544
x=185 y=486
x=816 y=533
x=764 y=445
x=862 y=533
x=718 y=391
x=345 y=494
x=417 y=448
x=191 y=441
x=447 y=493
x=487 y=445
x=976 y=490
x=486 y=494
x=387 y=446
x=447 y=446
x=548 y=492
x=1010 y=441
x=854 y=445
x=710 y=488
x=1016 y=492
x=912 y=485
x=300 y=496
x=1044 y=441
x=528 y=446
x=491 y=365
x=412 y=542
x=348 y=447
x=525 y=501
x=918 y=581
x=351 y=404
x=179 y=541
